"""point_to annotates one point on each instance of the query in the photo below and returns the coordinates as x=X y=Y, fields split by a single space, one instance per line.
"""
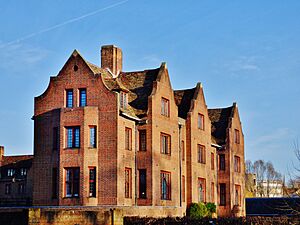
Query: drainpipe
x=180 y=165
x=135 y=165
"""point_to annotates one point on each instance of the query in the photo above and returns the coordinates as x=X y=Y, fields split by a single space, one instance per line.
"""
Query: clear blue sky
x=243 y=51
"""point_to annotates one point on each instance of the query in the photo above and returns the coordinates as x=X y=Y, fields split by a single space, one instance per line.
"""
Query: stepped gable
x=219 y=123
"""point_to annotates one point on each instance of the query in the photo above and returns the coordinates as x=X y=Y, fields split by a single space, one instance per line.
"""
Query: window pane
x=127 y=183
x=69 y=96
x=222 y=162
x=223 y=194
x=201 y=154
x=165 y=143
x=128 y=138
x=77 y=137
x=93 y=136
x=165 y=185
x=76 y=182
x=92 y=181
x=142 y=140
x=70 y=137
x=82 y=99
x=142 y=183
x=165 y=107
x=201 y=190
x=201 y=121
x=72 y=182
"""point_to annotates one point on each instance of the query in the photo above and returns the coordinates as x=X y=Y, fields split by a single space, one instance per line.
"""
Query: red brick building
x=15 y=179
x=103 y=136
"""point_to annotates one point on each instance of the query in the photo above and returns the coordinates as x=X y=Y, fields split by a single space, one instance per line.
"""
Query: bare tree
x=268 y=180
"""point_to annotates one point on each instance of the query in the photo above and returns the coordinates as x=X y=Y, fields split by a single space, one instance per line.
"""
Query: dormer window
x=123 y=100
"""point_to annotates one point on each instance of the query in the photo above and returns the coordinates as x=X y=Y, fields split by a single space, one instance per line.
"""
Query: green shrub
x=197 y=210
x=211 y=208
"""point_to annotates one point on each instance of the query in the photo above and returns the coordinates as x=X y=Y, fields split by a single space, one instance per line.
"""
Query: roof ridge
x=187 y=89
x=220 y=108
x=139 y=71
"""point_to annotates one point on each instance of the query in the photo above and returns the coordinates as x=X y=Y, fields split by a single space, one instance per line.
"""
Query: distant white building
x=270 y=189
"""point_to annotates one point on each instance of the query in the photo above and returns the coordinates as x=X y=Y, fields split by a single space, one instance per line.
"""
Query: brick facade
x=15 y=179
x=151 y=145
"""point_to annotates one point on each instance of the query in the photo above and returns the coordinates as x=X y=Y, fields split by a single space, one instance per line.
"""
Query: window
x=55 y=140
x=128 y=138
x=82 y=97
x=142 y=140
x=237 y=198
x=93 y=136
x=201 y=154
x=73 y=137
x=127 y=182
x=236 y=136
x=92 y=182
x=72 y=182
x=54 y=183
x=222 y=194
x=183 y=189
x=69 y=98
x=201 y=190
x=165 y=142
x=142 y=183
x=237 y=164
x=21 y=188
x=182 y=150
x=212 y=161
x=11 y=172
x=23 y=171
x=7 y=189
x=165 y=183
x=165 y=107
x=123 y=100
x=200 y=121
x=212 y=192
x=222 y=162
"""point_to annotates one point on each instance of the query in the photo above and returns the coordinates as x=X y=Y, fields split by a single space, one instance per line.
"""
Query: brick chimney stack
x=111 y=58
x=1 y=154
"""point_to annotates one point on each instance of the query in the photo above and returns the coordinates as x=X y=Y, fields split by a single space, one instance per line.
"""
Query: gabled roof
x=139 y=85
x=18 y=160
x=219 y=123
x=183 y=99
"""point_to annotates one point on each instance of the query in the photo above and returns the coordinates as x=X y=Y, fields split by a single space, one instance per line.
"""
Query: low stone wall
x=280 y=220
x=81 y=215
x=69 y=216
